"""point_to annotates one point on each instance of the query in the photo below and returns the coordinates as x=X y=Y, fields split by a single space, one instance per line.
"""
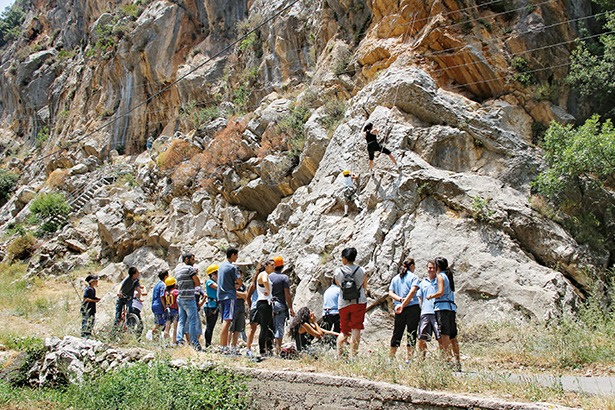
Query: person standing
x=407 y=309
x=282 y=301
x=238 y=325
x=264 y=310
x=88 y=306
x=446 y=311
x=373 y=146
x=211 y=306
x=187 y=279
x=330 y=312
x=158 y=304
x=428 y=326
x=130 y=286
x=352 y=310
x=350 y=191
x=227 y=276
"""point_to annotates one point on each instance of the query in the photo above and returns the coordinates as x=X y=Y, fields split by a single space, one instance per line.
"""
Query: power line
x=276 y=15
x=224 y=50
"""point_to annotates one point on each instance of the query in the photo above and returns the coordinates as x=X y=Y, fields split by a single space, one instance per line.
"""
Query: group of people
x=424 y=308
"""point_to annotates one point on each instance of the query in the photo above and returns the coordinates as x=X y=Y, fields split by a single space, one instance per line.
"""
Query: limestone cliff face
x=255 y=108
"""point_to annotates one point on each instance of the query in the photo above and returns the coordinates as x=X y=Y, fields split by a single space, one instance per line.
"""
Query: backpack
x=350 y=291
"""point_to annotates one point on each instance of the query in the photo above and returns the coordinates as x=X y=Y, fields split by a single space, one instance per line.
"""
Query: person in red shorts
x=352 y=312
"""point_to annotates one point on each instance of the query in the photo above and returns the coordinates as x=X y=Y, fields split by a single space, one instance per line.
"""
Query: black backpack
x=350 y=291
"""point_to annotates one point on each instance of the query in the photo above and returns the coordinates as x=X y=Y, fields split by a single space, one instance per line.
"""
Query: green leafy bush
x=48 y=206
x=8 y=180
x=141 y=386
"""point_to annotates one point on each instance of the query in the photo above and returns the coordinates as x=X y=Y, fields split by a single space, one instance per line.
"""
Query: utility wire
x=435 y=53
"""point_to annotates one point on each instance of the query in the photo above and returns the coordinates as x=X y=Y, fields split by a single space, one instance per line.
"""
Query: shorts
x=352 y=316
x=227 y=309
x=254 y=316
x=160 y=319
x=428 y=326
x=239 y=322
x=279 y=322
x=172 y=315
x=373 y=148
x=447 y=322
x=407 y=320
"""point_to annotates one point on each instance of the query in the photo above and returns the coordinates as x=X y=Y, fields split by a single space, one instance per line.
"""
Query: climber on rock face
x=350 y=191
x=373 y=146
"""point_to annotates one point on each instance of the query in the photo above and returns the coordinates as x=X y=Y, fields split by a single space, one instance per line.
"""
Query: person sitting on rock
x=350 y=191
x=373 y=146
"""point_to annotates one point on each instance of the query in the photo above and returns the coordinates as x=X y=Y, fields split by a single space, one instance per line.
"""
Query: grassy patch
x=141 y=386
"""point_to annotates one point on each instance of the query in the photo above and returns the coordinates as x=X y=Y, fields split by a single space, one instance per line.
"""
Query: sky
x=5 y=3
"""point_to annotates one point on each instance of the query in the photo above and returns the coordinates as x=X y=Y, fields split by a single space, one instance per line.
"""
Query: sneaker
x=249 y=353
x=346 y=214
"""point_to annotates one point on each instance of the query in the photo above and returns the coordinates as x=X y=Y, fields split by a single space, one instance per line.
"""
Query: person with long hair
x=446 y=310
x=373 y=146
x=304 y=328
x=252 y=300
x=264 y=308
x=407 y=310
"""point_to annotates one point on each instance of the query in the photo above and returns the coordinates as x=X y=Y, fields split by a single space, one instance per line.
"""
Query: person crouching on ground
x=304 y=328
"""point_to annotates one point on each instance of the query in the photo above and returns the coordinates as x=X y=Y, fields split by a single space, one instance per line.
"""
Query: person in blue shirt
x=211 y=305
x=446 y=311
x=330 y=312
x=428 y=326
x=228 y=275
x=158 y=304
x=403 y=290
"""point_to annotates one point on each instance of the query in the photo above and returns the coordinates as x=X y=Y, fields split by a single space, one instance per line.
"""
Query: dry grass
x=490 y=352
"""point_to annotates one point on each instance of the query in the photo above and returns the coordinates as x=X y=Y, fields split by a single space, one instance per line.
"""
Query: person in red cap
x=282 y=301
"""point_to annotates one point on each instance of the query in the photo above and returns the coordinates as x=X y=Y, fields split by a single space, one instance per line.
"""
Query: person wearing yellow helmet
x=350 y=191
x=172 y=309
x=211 y=306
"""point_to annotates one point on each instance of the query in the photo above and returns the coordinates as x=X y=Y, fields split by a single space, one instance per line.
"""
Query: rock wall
x=466 y=154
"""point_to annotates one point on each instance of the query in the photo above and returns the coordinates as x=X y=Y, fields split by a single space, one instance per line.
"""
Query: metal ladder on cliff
x=78 y=198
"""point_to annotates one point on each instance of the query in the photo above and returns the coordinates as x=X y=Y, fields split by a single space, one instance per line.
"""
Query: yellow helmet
x=345 y=172
x=211 y=269
x=170 y=281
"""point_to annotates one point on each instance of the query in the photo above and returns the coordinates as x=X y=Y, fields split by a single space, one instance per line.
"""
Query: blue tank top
x=447 y=300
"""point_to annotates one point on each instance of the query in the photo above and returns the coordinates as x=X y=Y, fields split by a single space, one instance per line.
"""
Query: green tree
x=592 y=71
x=10 y=23
x=587 y=152
x=580 y=164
